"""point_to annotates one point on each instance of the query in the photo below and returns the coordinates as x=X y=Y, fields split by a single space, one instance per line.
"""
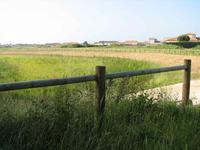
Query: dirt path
x=164 y=59
x=175 y=91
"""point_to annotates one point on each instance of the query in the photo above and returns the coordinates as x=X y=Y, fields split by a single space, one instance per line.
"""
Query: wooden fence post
x=100 y=93
x=186 y=82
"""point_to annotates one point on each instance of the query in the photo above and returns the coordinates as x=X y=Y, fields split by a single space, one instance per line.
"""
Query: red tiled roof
x=190 y=33
x=171 y=40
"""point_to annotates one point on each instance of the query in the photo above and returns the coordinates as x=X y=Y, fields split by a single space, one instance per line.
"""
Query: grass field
x=67 y=121
x=64 y=117
x=163 y=49
x=21 y=68
x=16 y=68
x=156 y=58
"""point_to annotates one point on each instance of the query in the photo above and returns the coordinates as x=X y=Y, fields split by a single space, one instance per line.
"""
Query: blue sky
x=42 y=21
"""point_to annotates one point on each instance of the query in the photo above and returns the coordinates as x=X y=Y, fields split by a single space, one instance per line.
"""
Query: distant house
x=106 y=43
x=193 y=38
x=130 y=43
x=153 y=41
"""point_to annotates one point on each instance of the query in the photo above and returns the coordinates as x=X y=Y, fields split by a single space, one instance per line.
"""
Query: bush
x=71 y=46
x=183 y=38
x=188 y=44
x=115 y=45
x=197 y=47
x=76 y=45
x=67 y=121
x=185 y=44
x=163 y=46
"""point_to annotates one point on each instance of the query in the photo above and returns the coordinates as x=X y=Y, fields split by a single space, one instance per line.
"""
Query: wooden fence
x=100 y=79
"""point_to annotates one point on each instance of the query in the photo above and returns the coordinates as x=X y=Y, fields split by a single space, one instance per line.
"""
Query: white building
x=153 y=41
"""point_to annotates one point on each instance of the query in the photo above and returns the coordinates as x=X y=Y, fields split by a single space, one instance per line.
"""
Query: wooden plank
x=144 y=72
x=45 y=83
x=100 y=93
x=186 y=82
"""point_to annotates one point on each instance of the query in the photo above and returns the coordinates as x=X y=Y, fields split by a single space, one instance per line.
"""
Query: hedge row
x=75 y=45
x=186 y=44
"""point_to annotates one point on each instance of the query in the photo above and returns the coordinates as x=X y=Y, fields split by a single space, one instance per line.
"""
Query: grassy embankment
x=64 y=118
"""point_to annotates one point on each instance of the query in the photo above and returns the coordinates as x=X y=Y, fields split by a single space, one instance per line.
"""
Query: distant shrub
x=183 y=38
x=188 y=44
x=86 y=44
x=197 y=47
x=115 y=45
x=164 y=46
x=185 y=44
x=71 y=46
x=141 y=44
x=77 y=45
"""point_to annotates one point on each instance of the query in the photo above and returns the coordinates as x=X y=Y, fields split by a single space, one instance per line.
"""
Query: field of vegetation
x=140 y=54
x=21 y=68
x=165 y=49
x=64 y=117
x=175 y=48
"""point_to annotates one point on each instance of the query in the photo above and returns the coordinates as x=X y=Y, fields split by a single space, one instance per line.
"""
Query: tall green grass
x=16 y=68
x=67 y=121
x=64 y=117
x=22 y=68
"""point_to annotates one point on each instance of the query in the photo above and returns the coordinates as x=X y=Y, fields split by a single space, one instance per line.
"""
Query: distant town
x=151 y=41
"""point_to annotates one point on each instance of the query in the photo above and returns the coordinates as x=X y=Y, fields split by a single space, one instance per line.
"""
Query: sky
x=47 y=21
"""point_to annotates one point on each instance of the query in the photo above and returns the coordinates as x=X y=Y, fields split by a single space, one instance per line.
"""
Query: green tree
x=183 y=38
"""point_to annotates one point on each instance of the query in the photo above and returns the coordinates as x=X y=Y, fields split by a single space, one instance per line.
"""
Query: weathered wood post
x=100 y=93
x=186 y=82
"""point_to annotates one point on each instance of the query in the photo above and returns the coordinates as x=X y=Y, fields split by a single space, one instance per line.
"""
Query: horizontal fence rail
x=72 y=80
x=144 y=72
x=100 y=78
x=45 y=83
